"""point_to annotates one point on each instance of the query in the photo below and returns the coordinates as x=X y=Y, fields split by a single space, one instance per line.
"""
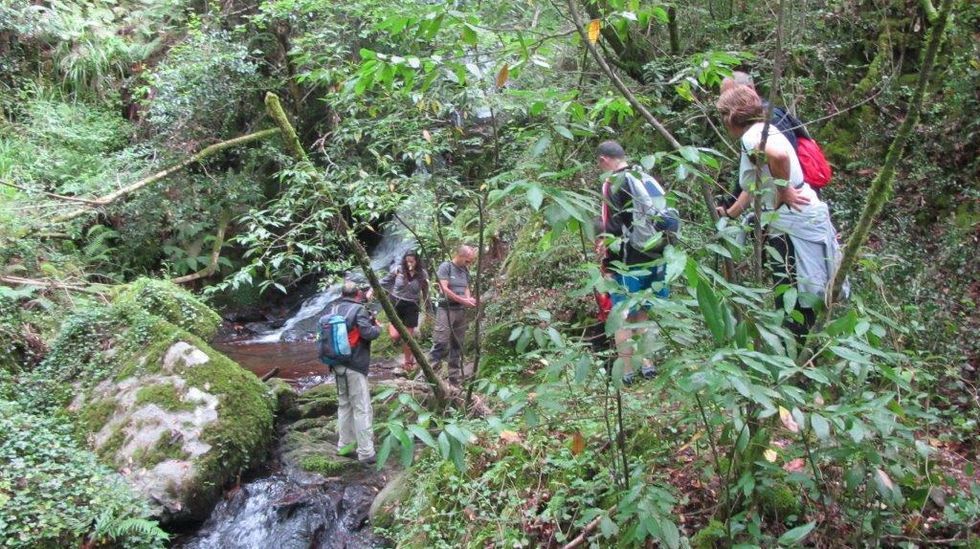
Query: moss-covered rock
x=283 y=395
x=177 y=418
x=173 y=303
x=710 y=536
x=316 y=402
x=327 y=465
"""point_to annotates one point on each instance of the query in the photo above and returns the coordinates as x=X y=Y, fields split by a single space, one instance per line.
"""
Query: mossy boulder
x=283 y=395
x=178 y=419
x=316 y=402
x=172 y=303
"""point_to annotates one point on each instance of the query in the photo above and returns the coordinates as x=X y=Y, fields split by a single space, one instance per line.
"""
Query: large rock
x=172 y=303
x=179 y=420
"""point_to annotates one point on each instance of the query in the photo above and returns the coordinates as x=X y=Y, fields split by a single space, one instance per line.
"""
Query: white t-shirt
x=746 y=170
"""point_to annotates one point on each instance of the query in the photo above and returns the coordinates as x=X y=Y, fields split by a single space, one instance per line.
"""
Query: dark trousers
x=784 y=272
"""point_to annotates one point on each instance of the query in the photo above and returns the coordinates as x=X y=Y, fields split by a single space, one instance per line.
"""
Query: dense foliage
x=472 y=121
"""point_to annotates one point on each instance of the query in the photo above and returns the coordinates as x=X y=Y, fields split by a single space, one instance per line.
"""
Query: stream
x=282 y=506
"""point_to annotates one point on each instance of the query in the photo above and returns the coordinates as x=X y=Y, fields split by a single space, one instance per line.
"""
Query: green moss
x=317 y=402
x=317 y=463
x=107 y=452
x=283 y=395
x=710 y=536
x=245 y=410
x=164 y=395
x=779 y=502
x=96 y=414
x=166 y=447
x=172 y=303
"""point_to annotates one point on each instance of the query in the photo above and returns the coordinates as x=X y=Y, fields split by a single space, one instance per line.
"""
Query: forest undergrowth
x=478 y=123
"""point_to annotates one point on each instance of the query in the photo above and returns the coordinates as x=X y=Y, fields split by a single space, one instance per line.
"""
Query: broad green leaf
x=821 y=427
x=797 y=534
x=711 y=310
x=422 y=435
x=564 y=132
x=535 y=196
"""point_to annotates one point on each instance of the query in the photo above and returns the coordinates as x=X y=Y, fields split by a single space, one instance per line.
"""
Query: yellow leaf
x=503 y=75
x=428 y=160
x=578 y=443
x=427 y=136
x=787 y=418
x=770 y=455
x=594 y=27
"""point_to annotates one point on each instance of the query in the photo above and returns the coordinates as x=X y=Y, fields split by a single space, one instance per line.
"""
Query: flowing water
x=288 y=508
x=301 y=325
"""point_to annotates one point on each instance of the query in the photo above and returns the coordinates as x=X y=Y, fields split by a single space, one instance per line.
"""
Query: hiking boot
x=371 y=460
x=648 y=371
x=347 y=451
x=628 y=379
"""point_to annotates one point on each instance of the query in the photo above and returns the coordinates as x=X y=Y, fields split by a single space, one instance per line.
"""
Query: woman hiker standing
x=801 y=231
x=408 y=285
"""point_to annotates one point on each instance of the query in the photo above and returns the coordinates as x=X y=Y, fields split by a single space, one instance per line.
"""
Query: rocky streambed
x=306 y=496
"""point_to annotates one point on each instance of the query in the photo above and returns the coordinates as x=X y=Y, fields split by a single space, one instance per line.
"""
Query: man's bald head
x=465 y=254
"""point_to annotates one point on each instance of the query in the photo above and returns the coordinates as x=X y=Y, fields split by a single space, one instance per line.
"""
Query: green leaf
x=789 y=300
x=535 y=196
x=540 y=146
x=469 y=35
x=711 y=310
x=443 y=445
x=422 y=435
x=849 y=354
x=669 y=533
x=608 y=527
x=564 y=132
x=690 y=154
x=385 y=450
x=821 y=427
x=797 y=534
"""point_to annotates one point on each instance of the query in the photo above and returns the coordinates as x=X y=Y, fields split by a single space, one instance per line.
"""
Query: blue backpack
x=336 y=341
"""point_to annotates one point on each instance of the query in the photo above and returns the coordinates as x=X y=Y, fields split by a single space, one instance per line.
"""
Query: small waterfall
x=302 y=325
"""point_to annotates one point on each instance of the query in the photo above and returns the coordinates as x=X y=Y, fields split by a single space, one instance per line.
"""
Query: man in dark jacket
x=354 y=412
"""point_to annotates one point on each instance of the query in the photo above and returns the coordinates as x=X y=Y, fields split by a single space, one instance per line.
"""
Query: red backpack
x=816 y=169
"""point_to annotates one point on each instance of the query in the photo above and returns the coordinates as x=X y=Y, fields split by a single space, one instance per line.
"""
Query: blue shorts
x=634 y=284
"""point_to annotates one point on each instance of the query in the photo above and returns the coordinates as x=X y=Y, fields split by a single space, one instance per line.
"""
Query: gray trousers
x=447 y=338
x=354 y=412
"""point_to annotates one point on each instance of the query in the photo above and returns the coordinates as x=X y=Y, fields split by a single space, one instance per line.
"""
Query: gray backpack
x=654 y=223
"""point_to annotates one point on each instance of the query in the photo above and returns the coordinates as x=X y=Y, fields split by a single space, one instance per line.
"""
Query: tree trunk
x=293 y=146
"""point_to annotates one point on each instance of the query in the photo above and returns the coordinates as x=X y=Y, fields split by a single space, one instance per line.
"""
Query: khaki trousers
x=354 y=412
x=447 y=338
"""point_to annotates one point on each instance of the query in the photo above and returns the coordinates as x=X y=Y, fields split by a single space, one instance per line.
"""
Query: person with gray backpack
x=634 y=210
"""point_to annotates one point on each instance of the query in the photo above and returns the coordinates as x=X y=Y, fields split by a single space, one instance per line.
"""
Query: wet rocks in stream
x=313 y=499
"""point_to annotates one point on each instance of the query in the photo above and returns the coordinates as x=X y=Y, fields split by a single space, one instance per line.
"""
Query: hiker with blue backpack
x=344 y=340
x=634 y=211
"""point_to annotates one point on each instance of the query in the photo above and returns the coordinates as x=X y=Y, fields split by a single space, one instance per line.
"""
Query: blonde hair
x=740 y=107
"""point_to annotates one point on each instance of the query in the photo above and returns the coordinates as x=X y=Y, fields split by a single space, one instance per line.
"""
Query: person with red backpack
x=346 y=347
x=801 y=231
x=816 y=170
